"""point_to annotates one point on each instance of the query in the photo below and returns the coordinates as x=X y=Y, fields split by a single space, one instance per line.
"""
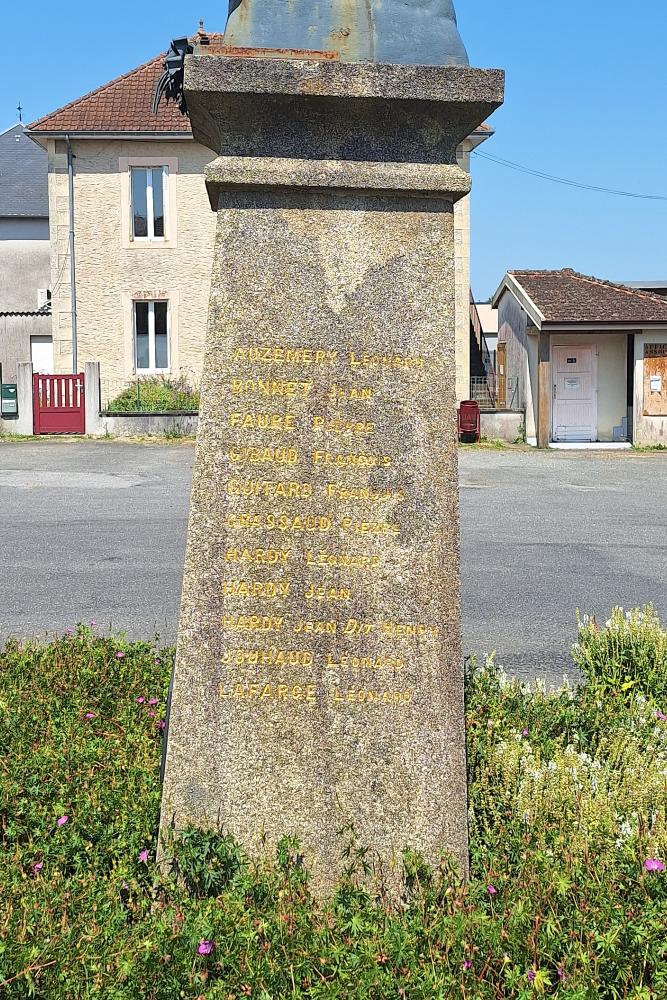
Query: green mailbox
x=9 y=406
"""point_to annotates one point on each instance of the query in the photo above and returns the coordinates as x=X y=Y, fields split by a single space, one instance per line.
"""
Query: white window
x=151 y=336
x=148 y=197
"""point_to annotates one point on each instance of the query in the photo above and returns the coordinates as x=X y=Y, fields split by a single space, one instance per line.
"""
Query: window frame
x=152 y=369
x=150 y=214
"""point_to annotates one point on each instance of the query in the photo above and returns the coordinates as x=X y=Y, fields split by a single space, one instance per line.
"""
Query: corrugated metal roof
x=23 y=176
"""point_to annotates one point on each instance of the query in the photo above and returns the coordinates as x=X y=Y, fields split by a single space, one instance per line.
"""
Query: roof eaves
x=511 y=284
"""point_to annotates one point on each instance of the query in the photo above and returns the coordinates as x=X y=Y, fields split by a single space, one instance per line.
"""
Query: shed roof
x=23 y=176
x=567 y=297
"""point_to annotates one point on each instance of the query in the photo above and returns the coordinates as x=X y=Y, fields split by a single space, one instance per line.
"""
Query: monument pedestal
x=319 y=679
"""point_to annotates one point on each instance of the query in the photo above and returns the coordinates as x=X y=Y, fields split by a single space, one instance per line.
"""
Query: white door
x=41 y=355
x=575 y=409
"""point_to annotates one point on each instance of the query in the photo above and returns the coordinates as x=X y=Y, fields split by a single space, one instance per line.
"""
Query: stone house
x=589 y=356
x=143 y=234
x=25 y=319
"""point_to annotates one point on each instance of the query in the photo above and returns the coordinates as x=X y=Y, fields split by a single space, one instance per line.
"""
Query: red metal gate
x=58 y=404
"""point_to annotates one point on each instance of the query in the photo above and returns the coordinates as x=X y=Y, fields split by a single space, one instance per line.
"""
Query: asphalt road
x=96 y=531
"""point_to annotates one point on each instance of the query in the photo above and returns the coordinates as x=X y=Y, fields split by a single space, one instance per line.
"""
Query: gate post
x=92 y=397
x=24 y=423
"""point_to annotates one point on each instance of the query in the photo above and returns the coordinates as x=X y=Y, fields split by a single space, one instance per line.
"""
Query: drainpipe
x=72 y=262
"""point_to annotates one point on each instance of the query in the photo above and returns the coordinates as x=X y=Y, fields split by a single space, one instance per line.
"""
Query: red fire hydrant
x=468 y=421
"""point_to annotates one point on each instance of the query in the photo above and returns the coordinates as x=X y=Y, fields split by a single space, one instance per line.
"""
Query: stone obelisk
x=319 y=681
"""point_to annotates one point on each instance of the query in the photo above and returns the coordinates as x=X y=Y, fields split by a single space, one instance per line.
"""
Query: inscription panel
x=361 y=513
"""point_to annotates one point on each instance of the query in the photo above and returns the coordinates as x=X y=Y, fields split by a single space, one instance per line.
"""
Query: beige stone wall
x=462 y=279
x=110 y=273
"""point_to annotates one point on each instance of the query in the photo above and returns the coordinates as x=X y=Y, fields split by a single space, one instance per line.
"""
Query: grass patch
x=567 y=896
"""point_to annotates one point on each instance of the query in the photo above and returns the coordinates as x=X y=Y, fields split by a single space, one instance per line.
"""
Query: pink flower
x=37 y=867
x=561 y=974
x=654 y=865
x=152 y=714
x=153 y=701
x=140 y=700
x=93 y=623
x=661 y=715
x=143 y=856
x=205 y=947
x=120 y=655
x=491 y=889
x=158 y=660
x=161 y=724
x=62 y=820
x=524 y=732
x=89 y=715
x=467 y=964
x=531 y=975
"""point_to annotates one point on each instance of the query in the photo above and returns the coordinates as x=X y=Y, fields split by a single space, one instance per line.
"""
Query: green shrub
x=155 y=394
x=568 y=833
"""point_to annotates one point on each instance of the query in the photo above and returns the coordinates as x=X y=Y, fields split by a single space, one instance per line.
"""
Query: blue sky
x=586 y=95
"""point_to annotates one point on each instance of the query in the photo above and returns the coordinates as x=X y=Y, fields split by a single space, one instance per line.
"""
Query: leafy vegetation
x=156 y=394
x=567 y=895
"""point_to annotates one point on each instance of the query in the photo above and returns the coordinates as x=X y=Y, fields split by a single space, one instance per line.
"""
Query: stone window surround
x=149 y=295
x=170 y=241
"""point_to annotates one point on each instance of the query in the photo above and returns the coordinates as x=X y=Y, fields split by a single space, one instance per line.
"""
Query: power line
x=563 y=180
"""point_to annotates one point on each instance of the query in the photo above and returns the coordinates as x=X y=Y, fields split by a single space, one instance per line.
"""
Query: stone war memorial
x=318 y=683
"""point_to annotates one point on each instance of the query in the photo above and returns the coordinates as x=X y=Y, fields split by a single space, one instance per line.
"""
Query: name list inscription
x=309 y=524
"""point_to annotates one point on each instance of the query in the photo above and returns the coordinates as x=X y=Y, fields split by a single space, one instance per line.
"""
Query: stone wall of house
x=462 y=279
x=110 y=273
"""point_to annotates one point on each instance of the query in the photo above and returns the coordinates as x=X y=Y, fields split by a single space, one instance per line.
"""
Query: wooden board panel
x=655 y=380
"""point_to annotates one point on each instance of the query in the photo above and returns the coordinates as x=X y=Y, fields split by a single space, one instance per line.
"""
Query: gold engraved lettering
x=341 y=560
x=352 y=394
x=340 y=425
x=271 y=657
x=407 y=630
x=270 y=388
x=259 y=456
x=269 y=489
x=258 y=557
x=269 y=692
x=354 y=461
x=405 y=361
x=365 y=696
x=351 y=494
x=316 y=627
x=369 y=527
x=252 y=623
x=256 y=588
x=356 y=627
x=246 y=520
x=347 y=662
x=262 y=421
x=321 y=593
x=276 y=355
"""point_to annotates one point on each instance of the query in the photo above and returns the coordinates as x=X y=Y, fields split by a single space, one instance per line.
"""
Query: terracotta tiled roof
x=569 y=297
x=123 y=105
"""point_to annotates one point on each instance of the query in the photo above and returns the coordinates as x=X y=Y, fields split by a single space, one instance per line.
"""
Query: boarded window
x=655 y=380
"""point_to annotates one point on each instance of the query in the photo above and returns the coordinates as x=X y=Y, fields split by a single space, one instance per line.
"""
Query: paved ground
x=97 y=530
